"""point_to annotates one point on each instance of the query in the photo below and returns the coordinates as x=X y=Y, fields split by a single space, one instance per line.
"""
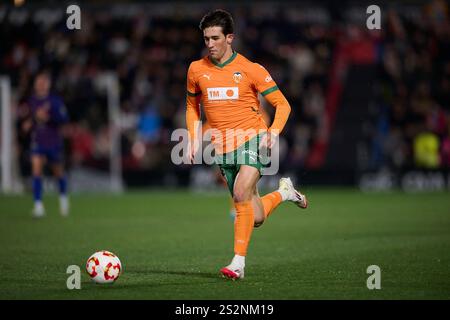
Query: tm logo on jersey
x=223 y=93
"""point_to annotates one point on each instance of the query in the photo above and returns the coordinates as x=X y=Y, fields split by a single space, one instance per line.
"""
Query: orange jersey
x=229 y=95
x=265 y=115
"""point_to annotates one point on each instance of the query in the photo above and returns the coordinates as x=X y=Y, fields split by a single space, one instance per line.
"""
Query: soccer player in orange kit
x=227 y=85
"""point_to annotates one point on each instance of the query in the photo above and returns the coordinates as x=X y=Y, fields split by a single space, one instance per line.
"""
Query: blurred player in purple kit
x=46 y=114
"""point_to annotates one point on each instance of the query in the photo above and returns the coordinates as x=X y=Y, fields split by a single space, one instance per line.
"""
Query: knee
x=241 y=194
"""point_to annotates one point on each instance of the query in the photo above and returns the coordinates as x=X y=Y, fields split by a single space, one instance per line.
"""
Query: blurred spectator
x=426 y=150
x=150 y=50
x=414 y=102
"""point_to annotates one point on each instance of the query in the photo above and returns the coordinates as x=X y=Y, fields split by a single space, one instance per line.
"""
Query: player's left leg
x=264 y=206
x=289 y=193
x=37 y=164
x=59 y=174
x=258 y=208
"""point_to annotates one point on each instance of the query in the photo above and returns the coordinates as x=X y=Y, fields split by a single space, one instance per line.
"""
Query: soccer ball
x=103 y=267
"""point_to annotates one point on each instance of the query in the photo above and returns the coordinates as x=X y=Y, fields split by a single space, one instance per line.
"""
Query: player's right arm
x=193 y=116
x=24 y=117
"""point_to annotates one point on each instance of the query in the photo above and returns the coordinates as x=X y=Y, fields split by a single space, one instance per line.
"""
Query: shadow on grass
x=151 y=278
x=135 y=284
x=196 y=274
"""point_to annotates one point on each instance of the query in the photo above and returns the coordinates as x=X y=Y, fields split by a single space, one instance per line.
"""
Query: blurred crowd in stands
x=150 y=51
x=412 y=118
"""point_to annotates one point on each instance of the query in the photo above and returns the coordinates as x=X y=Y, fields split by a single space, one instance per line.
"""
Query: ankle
x=238 y=261
x=284 y=194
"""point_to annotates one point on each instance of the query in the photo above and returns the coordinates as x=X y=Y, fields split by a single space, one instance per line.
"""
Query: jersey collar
x=221 y=65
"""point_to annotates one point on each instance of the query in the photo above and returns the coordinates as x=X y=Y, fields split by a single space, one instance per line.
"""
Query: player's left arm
x=59 y=112
x=59 y=116
x=270 y=91
x=283 y=109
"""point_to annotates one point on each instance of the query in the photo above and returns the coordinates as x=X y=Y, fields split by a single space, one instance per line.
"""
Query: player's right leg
x=37 y=163
x=243 y=191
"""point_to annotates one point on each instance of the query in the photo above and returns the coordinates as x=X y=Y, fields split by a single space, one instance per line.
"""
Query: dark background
x=369 y=107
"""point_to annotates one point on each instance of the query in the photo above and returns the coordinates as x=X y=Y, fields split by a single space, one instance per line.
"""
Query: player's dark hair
x=218 y=18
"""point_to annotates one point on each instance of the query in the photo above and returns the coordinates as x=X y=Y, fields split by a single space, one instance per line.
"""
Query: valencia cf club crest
x=237 y=77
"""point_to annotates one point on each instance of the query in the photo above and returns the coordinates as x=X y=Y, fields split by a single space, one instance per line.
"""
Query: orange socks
x=245 y=219
x=271 y=201
x=243 y=226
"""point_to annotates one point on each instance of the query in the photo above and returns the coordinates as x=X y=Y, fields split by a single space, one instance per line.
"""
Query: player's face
x=216 y=42
x=42 y=85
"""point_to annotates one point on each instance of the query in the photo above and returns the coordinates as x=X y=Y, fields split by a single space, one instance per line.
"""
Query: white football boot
x=38 y=210
x=235 y=270
x=288 y=192
x=232 y=272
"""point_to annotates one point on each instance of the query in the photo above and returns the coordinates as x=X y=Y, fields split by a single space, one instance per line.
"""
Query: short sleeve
x=262 y=80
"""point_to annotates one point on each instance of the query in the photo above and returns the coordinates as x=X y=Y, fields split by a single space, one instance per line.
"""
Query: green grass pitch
x=173 y=243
